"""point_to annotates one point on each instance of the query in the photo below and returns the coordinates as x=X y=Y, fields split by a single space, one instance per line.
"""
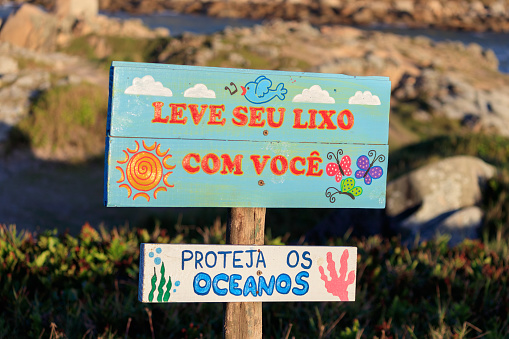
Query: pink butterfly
x=341 y=169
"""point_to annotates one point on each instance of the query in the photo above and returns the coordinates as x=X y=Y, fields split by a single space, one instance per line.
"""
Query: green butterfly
x=347 y=187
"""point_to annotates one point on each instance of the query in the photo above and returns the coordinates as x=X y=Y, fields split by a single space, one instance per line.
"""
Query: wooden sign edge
x=119 y=64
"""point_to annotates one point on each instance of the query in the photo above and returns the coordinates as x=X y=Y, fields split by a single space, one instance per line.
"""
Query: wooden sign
x=238 y=273
x=198 y=136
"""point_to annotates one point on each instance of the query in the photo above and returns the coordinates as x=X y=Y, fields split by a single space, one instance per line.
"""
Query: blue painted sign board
x=219 y=137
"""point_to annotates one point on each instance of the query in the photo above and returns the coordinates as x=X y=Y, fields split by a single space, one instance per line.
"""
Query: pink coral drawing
x=338 y=285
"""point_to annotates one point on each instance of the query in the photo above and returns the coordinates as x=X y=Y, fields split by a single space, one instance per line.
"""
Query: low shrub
x=67 y=121
x=103 y=50
x=491 y=148
x=56 y=285
x=496 y=205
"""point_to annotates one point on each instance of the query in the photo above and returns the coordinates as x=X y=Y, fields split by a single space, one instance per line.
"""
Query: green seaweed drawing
x=161 y=285
x=161 y=294
x=168 y=289
x=153 y=282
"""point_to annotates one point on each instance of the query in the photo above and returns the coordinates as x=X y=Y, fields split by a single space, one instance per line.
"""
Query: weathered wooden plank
x=252 y=273
x=246 y=226
x=169 y=101
x=207 y=173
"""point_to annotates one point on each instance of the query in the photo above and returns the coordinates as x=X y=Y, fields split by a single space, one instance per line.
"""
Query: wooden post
x=246 y=226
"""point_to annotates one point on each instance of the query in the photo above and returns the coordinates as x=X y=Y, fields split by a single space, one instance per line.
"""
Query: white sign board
x=246 y=273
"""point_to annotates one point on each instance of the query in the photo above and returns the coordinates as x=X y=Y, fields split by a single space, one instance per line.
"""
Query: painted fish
x=259 y=92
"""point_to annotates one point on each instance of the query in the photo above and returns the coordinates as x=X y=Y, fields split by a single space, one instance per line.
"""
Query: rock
x=462 y=224
x=238 y=60
x=404 y=6
x=423 y=200
x=454 y=95
x=446 y=79
x=101 y=48
x=42 y=70
x=30 y=27
x=104 y=26
x=8 y=65
x=15 y=99
x=270 y=52
x=472 y=15
x=165 y=32
x=498 y=8
x=363 y=16
x=76 y=8
x=35 y=80
x=380 y=8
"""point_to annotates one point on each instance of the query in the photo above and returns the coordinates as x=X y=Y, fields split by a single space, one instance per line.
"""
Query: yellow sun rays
x=165 y=180
x=159 y=153
x=144 y=170
x=151 y=148
x=129 y=190
x=135 y=150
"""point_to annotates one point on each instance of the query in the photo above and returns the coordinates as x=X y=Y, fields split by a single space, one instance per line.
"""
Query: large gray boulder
x=439 y=198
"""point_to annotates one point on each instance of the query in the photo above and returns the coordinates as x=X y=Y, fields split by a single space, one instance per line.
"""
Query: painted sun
x=144 y=170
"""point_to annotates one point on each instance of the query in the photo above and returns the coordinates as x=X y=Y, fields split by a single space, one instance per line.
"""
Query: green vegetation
x=55 y=285
x=69 y=119
x=247 y=57
x=496 y=207
x=25 y=63
x=104 y=50
x=404 y=113
x=493 y=149
x=86 y=286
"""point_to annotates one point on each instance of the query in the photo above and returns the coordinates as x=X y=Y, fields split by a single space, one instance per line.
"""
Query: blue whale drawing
x=259 y=92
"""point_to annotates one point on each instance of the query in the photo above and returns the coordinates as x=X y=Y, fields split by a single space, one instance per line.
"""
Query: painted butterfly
x=339 y=168
x=366 y=168
x=347 y=187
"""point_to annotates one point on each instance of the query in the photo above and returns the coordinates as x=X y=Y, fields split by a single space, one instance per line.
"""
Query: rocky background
x=449 y=116
x=472 y=15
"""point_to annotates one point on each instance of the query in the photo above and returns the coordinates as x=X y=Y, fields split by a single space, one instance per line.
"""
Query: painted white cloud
x=199 y=91
x=365 y=98
x=315 y=95
x=148 y=86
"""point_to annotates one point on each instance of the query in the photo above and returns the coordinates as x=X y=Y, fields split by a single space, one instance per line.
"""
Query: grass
x=119 y=48
x=496 y=205
x=69 y=119
x=493 y=149
x=25 y=63
x=403 y=113
x=55 y=285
